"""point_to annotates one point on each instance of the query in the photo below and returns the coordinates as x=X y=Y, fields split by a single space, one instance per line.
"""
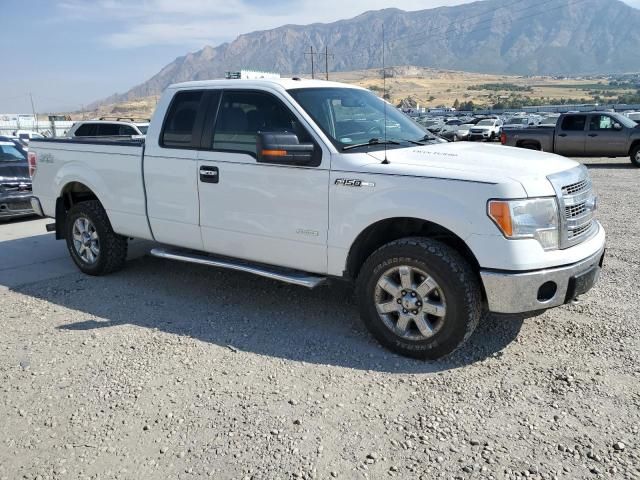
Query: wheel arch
x=391 y=229
x=71 y=193
x=533 y=143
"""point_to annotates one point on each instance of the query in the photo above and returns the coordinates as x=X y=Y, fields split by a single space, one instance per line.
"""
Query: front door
x=571 y=135
x=603 y=140
x=269 y=213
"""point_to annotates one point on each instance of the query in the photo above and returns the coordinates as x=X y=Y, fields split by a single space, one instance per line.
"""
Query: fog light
x=547 y=291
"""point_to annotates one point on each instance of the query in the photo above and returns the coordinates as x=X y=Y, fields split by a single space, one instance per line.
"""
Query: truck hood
x=477 y=162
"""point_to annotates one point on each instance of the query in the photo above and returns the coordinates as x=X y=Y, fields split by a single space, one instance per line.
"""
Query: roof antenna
x=384 y=94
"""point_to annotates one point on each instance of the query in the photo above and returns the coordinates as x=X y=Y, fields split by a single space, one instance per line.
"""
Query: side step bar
x=288 y=276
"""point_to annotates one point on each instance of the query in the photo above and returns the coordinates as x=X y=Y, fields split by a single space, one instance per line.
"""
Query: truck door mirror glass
x=617 y=126
x=284 y=148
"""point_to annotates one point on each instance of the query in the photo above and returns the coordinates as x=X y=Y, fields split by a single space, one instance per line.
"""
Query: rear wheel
x=635 y=155
x=419 y=298
x=94 y=247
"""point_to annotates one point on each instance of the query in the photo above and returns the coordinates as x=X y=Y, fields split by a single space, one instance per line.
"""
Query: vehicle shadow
x=248 y=313
x=611 y=166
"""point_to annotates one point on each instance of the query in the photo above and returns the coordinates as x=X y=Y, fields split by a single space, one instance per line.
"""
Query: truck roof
x=286 y=83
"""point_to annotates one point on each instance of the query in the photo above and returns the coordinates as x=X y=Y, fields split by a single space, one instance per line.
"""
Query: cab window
x=574 y=123
x=601 y=122
x=241 y=115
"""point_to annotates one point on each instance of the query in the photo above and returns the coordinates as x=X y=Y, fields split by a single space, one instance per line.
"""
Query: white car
x=26 y=136
x=294 y=180
x=487 y=129
x=108 y=128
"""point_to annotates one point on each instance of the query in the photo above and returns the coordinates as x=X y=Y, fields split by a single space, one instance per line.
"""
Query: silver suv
x=107 y=127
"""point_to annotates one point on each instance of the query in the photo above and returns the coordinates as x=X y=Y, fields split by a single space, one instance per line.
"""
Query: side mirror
x=285 y=148
x=617 y=126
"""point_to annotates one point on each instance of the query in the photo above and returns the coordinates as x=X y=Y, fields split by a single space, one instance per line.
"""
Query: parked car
x=635 y=116
x=593 y=134
x=26 y=136
x=449 y=130
x=15 y=182
x=518 y=122
x=286 y=180
x=487 y=129
x=108 y=128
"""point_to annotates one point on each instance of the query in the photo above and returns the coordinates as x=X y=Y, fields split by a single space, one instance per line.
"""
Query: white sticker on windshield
x=346 y=140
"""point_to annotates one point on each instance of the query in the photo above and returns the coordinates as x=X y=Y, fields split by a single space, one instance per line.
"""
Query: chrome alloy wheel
x=85 y=240
x=410 y=303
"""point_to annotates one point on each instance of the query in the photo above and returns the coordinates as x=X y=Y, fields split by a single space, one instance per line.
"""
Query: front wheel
x=94 y=247
x=635 y=156
x=419 y=298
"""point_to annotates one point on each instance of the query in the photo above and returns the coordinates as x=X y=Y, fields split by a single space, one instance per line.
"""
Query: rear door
x=605 y=141
x=171 y=171
x=270 y=213
x=571 y=135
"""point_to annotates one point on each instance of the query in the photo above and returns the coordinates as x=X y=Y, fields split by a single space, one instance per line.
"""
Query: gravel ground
x=167 y=371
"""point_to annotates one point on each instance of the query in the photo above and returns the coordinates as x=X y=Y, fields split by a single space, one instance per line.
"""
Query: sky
x=69 y=53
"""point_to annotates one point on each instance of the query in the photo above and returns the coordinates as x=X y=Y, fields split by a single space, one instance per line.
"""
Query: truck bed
x=112 y=168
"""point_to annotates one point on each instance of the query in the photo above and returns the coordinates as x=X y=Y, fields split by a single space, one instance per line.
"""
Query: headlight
x=534 y=218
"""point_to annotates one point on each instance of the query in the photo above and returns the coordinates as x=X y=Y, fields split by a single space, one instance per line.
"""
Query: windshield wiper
x=420 y=142
x=373 y=141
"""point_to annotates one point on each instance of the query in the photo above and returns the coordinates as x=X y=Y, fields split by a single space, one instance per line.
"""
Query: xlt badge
x=350 y=182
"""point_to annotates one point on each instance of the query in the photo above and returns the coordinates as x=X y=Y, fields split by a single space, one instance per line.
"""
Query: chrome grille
x=578 y=202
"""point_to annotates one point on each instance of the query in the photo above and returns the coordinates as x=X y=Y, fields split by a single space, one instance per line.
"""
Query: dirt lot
x=167 y=371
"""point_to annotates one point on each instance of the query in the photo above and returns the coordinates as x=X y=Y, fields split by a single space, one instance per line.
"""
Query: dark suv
x=15 y=182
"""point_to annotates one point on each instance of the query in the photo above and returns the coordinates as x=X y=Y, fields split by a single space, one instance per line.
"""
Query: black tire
x=455 y=278
x=635 y=155
x=112 y=247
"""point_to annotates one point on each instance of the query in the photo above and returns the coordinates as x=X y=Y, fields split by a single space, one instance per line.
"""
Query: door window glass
x=243 y=114
x=180 y=122
x=574 y=123
x=601 y=122
x=86 y=130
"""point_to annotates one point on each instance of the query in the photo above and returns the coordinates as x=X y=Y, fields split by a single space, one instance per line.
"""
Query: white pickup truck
x=298 y=181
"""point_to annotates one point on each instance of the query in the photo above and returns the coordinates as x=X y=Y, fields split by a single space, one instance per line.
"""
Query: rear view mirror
x=285 y=148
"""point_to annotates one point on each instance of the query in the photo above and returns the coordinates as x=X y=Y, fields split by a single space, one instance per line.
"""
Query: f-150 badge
x=349 y=182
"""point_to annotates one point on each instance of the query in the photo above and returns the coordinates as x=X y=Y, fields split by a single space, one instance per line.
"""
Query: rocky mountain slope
x=526 y=37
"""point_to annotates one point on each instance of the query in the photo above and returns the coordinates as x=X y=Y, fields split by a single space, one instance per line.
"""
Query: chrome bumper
x=512 y=292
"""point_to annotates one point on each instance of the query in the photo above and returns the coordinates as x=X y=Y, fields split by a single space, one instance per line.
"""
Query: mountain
x=528 y=37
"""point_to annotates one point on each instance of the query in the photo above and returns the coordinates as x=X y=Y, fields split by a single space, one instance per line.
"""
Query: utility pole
x=326 y=61
x=33 y=110
x=312 y=53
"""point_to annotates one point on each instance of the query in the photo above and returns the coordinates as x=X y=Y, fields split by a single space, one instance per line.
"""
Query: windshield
x=352 y=117
x=486 y=122
x=9 y=153
x=627 y=122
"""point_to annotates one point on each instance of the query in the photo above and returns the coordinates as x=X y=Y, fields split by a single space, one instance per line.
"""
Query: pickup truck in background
x=594 y=134
x=295 y=180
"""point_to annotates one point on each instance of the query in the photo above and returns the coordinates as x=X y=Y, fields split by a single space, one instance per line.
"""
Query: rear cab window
x=574 y=123
x=179 y=126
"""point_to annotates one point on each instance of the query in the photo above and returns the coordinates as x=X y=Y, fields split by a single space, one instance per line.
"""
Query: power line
x=311 y=52
x=326 y=61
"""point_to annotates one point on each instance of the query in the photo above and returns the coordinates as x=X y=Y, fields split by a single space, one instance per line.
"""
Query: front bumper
x=16 y=206
x=480 y=136
x=516 y=292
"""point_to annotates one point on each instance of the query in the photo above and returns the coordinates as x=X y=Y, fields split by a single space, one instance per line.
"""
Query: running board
x=288 y=276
